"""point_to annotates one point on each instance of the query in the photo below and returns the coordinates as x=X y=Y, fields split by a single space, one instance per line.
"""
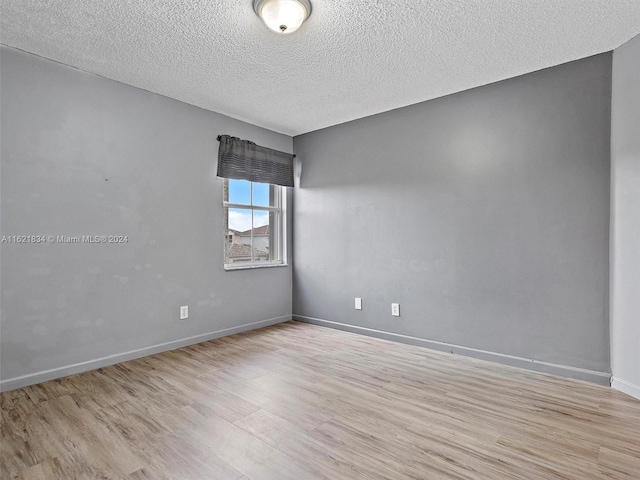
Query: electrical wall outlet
x=184 y=312
x=358 y=303
x=395 y=309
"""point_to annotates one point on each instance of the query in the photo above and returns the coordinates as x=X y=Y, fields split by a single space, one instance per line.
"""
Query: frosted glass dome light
x=282 y=16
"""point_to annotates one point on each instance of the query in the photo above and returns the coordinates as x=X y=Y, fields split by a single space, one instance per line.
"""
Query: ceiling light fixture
x=282 y=16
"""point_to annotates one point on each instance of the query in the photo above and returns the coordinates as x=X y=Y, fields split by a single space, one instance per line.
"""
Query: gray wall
x=625 y=218
x=485 y=214
x=82 y=155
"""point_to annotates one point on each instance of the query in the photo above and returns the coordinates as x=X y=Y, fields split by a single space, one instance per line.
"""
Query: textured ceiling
x=352 y=58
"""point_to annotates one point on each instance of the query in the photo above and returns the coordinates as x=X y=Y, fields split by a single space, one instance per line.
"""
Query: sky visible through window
x=240 y=192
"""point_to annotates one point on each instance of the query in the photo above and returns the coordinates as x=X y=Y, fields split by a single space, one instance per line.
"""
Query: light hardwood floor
x=297 y=401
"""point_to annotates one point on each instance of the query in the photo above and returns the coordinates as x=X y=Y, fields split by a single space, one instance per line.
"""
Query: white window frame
x=279 y=234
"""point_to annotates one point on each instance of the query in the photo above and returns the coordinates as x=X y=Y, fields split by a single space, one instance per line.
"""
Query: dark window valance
x=244 y=160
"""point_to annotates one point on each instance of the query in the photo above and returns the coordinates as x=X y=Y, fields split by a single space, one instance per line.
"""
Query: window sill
x=231 y=267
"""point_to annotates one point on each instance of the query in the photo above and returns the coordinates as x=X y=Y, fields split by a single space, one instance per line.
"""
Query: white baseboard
x=626 y=387
x=601 y=378
x=52 y=374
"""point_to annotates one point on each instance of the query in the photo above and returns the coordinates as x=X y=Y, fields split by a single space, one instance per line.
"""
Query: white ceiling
x=352 y=58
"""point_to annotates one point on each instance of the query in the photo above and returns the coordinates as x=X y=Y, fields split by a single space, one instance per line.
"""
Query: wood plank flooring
x=298 y=401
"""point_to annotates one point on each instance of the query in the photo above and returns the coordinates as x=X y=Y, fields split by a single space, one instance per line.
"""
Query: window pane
x=238 y=235
x=239 y=191
x=274 y=228
x=261 y=244
x=261 y=194
x=240 y=219
x=260 y=219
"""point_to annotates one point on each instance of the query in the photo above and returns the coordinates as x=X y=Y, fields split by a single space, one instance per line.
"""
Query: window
x=254 y=224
